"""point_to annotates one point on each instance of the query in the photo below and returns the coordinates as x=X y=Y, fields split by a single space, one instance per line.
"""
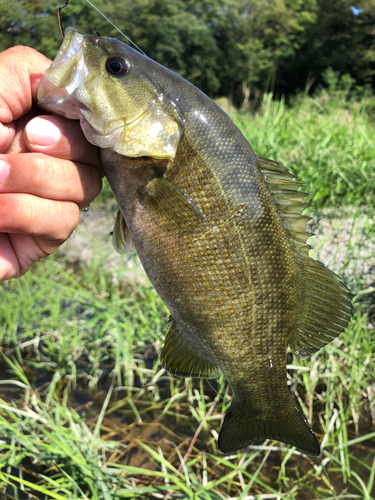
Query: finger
x=7 y=134
x=61 y=138
x=17 y=253
x=52 y=222
x=9 y=264
x=21 y=70
x=50 y=178
x=9 y=267
x=18 y=144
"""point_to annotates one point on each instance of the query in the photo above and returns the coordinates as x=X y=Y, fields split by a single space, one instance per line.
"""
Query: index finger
x=21 y=70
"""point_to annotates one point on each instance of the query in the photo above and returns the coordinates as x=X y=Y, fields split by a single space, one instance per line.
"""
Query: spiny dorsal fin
x=288 y=200
x=179 y=357
x=325 y=306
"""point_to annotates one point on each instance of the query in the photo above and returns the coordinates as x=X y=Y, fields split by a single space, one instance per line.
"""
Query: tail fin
x=239 y=430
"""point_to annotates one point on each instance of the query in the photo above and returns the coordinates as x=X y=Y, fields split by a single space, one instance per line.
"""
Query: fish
x=218 y=230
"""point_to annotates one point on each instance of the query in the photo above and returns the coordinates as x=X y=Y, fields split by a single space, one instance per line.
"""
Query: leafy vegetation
x=326 y=141
x=233 y=47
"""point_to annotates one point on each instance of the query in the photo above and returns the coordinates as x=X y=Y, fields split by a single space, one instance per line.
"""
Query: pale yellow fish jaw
x=68 y=69
x=99 y=132
x=151 y=130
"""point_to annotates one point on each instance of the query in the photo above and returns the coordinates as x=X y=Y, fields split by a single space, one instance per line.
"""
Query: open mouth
x=57 y=87
x=72 y=43
x=63 y=69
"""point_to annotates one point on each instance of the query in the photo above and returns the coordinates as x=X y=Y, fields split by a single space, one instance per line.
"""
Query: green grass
x=86 y=411
x=329 y=147
x=64 y=313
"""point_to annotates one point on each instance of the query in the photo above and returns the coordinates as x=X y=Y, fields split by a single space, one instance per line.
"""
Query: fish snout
x=56 y=90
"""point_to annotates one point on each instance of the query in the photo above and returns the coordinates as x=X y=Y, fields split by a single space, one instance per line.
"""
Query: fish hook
x=59 y=17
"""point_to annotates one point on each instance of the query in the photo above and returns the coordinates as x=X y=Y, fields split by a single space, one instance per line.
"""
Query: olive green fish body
x=231 y=285
x=218 y=230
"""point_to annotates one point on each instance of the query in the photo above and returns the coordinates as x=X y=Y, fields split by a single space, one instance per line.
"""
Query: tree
x=225 y=47
x=176 y=38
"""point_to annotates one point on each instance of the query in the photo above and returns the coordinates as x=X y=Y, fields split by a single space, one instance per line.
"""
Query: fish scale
x=218 y=230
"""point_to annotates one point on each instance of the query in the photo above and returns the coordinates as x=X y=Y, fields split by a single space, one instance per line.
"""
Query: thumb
x=61 y=138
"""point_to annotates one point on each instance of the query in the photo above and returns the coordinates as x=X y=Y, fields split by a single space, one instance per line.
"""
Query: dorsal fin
x=288 y=199
x=327 y=309
x=325 y=301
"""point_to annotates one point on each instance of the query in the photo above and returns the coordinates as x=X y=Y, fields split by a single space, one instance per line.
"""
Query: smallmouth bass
x=218 y=230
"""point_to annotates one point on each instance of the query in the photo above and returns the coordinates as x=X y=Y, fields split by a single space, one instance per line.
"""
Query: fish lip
x=71 y=45
x=57 y=87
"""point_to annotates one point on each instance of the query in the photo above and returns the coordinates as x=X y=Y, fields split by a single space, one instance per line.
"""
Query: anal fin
x=180 y=357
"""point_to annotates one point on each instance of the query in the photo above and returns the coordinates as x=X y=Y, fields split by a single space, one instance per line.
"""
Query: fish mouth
x=56 y=90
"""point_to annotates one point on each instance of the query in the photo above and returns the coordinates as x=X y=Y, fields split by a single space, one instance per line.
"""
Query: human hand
x=47 y=168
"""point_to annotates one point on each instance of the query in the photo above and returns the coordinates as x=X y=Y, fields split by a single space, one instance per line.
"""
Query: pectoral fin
x=121 y=239
x=179 y=357
x=165 y=199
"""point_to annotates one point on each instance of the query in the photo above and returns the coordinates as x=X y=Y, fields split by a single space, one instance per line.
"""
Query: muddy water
x=171 y=434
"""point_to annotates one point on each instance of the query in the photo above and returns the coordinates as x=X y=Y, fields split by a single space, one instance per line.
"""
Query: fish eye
x=116 y=66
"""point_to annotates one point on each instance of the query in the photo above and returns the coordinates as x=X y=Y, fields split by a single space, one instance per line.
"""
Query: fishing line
x=326 y=473
x=110 y=22
x=218 y=395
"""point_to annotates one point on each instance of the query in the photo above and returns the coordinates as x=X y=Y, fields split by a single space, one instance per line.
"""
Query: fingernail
x=4 y=170
x=42 y=132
